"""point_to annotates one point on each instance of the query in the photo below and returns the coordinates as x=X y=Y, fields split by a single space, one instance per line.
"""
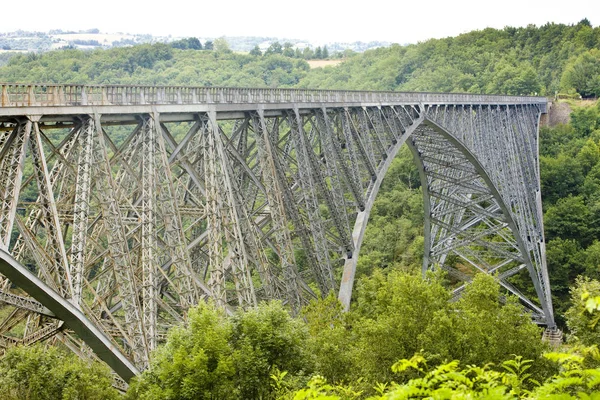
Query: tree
x=588 y=156
x=318 y=53
x=221 y=46
x=592 y=260
x=146 y=56
x=49 y=373
x=325 y=53
x=209 y=45
x=580 y=318
x=194 y=44
x=379 y=343
x=307 y=53
x=583 y=74
x=265 y=340
x=569 y=219
x=220 y=357
x=196 y=362
x=585 y=120
x=191 y=43
x=478 y=329
x=560 y=176
x=514 y=80
x=274 y=48
x=256 y=51
x=288 y=50
x=330 y=338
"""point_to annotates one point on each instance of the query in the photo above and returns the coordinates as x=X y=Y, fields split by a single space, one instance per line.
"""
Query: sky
x=326 y=21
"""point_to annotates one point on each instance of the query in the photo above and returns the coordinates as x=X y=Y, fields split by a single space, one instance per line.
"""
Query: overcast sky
x=399 y=21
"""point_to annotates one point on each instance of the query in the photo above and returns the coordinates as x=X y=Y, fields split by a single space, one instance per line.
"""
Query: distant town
x=39 y=42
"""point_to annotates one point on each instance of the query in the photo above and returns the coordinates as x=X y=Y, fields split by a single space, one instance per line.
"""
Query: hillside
x=545 y=60
x=510 y=61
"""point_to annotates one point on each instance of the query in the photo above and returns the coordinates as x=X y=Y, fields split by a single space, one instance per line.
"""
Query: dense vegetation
x=570 y=178
x=401 y=328
x=39 y=373
x=527 y=60
x=402 y=340
x=396 y=316
x=545 y=60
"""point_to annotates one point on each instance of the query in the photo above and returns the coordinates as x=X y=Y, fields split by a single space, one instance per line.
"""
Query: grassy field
x=323 y=63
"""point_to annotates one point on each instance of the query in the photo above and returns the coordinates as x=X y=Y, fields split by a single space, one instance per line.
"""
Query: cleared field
x=323 y=63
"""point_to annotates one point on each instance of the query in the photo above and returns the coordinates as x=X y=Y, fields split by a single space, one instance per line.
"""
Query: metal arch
x=360 y=225
x=363 y=216
x=548 y=316
x=68 y=313
x=426 y=207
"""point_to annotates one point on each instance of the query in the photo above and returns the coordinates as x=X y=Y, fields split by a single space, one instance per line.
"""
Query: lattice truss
x=134 y=218
x=483 y=201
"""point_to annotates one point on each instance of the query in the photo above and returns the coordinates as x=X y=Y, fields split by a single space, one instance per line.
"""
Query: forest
x=403 y=337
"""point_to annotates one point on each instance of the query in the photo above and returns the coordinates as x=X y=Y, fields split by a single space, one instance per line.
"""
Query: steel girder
x=482 y=171
x=135 y=216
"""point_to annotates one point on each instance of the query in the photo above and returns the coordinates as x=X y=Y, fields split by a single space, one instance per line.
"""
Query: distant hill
x=549 y=60
x=25 y=41
x=544 y=60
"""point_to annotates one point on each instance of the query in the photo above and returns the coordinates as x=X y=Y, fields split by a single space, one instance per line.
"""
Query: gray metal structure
x=126 y=205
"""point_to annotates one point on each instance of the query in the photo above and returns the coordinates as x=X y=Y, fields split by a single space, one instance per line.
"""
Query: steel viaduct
x=122 y=206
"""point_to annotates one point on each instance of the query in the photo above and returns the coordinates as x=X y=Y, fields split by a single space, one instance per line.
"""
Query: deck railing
x=36 y=95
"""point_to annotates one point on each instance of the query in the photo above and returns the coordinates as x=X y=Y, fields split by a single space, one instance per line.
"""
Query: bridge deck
x=113 y=99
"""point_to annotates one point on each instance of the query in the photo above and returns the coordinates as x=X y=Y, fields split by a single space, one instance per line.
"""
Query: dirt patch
x=323 y=63
x=560 y=110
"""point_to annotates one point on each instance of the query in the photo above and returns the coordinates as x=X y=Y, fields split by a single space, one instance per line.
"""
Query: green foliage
x=560 y=177
x=39 y=373
x=524 y=60
x=157 y=64
x=318 y=388
x=267 y=339
x=445 y=381
x=585 y=120
x=196 y=362
x=514 y=80
x=220 y=45
x=569 y=219
x=264 y=353
x=583 y=74
x=256 y=51
x=330 y=338
x=219 y=357
x=449 y=381
x=570 y=180
x=479 y=329
x=588 y=156
x=513 y=61
x=573 y=379
x=414 y=301
x=274 y=48
x=582 y=316
x=191 y=43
